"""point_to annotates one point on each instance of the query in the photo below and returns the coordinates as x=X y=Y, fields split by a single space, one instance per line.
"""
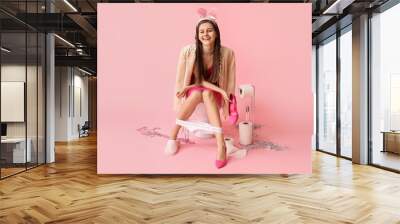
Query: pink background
x=138 y=47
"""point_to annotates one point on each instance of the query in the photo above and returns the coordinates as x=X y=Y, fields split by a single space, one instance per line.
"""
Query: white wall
x=70 y=83
x=62 y=81
x=33 y=127
x=81 y=82
x=15 y=72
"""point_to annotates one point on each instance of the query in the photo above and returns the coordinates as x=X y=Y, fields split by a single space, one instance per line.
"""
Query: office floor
x=11 y=169
x=387 y=159
x=70 y=191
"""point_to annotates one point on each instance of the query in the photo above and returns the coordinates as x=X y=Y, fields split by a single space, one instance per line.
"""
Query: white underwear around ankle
x=193 y=126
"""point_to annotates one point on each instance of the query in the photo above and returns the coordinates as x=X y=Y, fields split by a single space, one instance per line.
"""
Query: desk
x=391 y=141
x=16 y=148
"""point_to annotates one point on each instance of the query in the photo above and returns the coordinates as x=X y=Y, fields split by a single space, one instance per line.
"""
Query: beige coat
x=186 y=62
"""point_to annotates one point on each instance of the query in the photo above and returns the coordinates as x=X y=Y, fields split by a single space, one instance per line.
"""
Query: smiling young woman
x=205 y=74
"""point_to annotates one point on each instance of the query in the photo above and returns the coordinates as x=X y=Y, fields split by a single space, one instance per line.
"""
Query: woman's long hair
x=201 y=70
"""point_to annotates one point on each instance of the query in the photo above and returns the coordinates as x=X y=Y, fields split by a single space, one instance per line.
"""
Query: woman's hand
x=225 y=96
x=181 y=93
x=225 y=113
x=216 y=89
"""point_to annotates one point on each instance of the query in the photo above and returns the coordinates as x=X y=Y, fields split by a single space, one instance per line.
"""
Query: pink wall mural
x=138 y=49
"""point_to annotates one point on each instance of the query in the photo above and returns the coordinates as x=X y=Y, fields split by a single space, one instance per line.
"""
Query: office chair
x=84 y=130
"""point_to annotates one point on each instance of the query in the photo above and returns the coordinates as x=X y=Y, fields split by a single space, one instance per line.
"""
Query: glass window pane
x=346 y=94
x=31 y=101
x=22 y=88
x=327 y=96
x=386 y=89
x=14 y=153
x=314 y=75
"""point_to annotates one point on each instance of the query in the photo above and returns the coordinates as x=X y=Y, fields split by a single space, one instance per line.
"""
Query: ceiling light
x=338 y=6
x=70 y=5
x=64 y=40
x=84 y=71
x=5 y=49
x=331 y=7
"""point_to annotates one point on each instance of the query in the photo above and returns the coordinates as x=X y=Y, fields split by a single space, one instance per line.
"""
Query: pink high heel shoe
x=220 y=163
x=233 y=113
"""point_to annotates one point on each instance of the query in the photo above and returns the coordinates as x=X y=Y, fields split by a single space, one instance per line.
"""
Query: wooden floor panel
x=70 y=191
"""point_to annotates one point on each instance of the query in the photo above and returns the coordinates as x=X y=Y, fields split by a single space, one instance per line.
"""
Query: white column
x=50 y=100
x=50 y=92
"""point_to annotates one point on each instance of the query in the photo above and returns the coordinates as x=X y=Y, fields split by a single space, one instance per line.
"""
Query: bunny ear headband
x=204 y=15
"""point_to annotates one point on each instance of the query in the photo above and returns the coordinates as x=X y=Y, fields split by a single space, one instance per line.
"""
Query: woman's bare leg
x=214 y=119
x=186 y=110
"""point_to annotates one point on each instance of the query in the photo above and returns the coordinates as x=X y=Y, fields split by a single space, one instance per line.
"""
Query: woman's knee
x=196 y=95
